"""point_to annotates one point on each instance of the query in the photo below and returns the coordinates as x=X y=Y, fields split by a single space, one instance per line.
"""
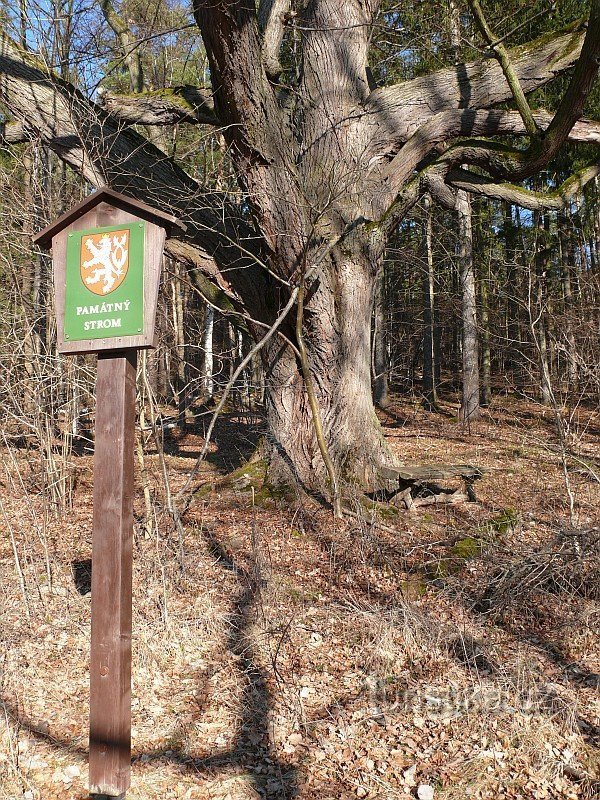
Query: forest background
x=283 y=650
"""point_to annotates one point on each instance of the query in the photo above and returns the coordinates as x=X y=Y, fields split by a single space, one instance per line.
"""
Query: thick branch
x=573 y=100
x=189 y=104
x=13 y=133
x=261 y=145
x=452 y=124
x=511 y=193
x=271 y=20
x=126 y=40
x=501 y=53
x=396 y=112
x=93 y=144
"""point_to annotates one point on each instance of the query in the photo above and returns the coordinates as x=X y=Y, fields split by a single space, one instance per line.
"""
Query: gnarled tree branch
x=189 y=104
x=501 y=53
x=511 y=193
x=396 y=112
x=103 y=152
x=450 y=125
x=572 y=102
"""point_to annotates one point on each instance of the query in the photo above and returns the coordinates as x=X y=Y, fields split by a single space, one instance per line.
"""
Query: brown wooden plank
x=110 y=660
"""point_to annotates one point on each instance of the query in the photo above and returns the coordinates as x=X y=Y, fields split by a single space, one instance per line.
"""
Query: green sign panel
x=104 y=295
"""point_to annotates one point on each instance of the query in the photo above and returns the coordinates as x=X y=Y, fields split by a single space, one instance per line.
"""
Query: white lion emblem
x=110 y=254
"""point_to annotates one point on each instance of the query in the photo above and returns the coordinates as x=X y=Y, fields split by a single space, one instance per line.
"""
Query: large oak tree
x=329 y=164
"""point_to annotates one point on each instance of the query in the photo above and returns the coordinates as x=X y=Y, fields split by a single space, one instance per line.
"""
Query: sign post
x=106 y=256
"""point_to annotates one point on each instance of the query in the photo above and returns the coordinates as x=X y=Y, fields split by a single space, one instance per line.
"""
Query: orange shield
x=104 y=261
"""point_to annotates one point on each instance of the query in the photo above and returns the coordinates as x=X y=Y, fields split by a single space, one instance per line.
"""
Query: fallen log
x=417 y=485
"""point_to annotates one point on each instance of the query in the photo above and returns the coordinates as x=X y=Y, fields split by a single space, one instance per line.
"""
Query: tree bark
x=380 y=355
x=539 y=322
x=568 y=305
x=430 y=368
x=207 y=346
x=325 y=171
x=486 y=358
x=469 y=409
x=337 y=337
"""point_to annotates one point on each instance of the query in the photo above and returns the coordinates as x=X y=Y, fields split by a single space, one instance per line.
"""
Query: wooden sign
x=106 y=259
x=106 y=256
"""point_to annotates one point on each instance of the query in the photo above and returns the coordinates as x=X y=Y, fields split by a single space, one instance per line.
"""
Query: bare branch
x=543 y=149
x=396 y=112
x=452 y=124
x=189 y=104
x=573 y=101
x=511 y=193
x=126 y=40
x=501 y=53
x=93 y=144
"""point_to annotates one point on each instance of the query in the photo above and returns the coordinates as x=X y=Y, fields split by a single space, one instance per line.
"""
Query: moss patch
x=269 y=494
x=251 y=475
x=467 y=548
x=463 y=550
x=413 y=587
x=504 y=522
x=382 y=510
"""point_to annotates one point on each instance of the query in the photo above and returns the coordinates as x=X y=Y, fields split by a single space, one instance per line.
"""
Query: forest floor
x=447 y=652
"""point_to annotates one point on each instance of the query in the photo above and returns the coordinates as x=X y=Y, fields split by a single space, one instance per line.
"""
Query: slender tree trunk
x=244 y=378
x=380 y=355
x=30 y=384
x=178 y=308
x=539 y=324
x=513 y=284
x=470 y=409
x=486 y=360
x=207 y=346
x=565 y=268
x=429 y=328
x=482 y=256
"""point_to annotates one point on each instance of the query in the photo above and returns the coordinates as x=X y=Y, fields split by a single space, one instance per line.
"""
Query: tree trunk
x=207 y=346
x=565 y=268
x=470 y=409
x=515 y=355
x=429 y=331
x=330 y=165
x=486 y=360
x=380 y=355
x=337 y=324
x=540 y=321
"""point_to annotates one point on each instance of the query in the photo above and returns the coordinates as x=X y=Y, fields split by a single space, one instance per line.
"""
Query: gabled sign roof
x=106 y=195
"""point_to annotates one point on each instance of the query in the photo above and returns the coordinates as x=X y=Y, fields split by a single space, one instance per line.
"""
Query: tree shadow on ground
x=366 y=545
x=251 y=755
x=236 y=435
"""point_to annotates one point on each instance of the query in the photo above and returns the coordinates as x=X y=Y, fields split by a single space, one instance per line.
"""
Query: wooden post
x=110 y=661
x=106 y=261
